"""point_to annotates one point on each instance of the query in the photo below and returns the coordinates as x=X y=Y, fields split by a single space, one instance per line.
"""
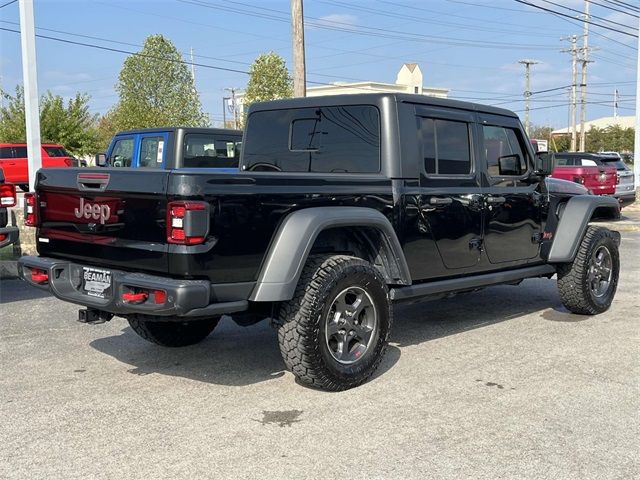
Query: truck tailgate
x=112 y=217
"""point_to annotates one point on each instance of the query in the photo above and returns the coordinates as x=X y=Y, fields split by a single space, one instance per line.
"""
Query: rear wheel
x=333 y=333
x=588 y=284
x=172 y=333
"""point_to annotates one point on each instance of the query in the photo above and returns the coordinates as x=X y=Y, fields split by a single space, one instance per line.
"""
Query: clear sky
x=469 y=46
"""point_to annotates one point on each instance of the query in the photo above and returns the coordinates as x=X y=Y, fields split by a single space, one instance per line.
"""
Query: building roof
x=604 y=122
x=411 y=66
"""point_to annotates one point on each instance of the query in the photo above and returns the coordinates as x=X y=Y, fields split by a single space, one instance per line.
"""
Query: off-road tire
x=573 y=283
x=172 y=333
x=301 y=322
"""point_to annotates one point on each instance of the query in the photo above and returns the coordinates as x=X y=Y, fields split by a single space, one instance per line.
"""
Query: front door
x=512 y=203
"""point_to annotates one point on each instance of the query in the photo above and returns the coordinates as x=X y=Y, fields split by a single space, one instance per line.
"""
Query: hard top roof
x=376 y=99
x=222 y=131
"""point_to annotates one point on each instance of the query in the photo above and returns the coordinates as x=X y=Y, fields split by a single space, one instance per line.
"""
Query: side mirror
x=544 y=163
x=101 y=160
x=509 y=165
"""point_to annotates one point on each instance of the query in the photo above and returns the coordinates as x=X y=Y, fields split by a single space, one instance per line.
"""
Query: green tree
x=269 y=79
x=70 y=123
x=541 y=132
x=157 y=90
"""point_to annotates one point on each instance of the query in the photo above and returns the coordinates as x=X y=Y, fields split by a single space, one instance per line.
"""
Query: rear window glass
x=6 y=152
x=323 y=140
x=210 y=151
x=614 y=162
x=56 y=151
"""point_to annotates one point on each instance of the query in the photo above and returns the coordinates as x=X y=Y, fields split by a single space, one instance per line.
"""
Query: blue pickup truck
x=174 y=147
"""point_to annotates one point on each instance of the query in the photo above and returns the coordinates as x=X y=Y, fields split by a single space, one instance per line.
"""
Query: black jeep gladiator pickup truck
x=343 y=205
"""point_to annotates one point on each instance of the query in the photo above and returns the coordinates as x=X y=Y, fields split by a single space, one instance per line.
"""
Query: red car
x=588 y=170
x=13 y=160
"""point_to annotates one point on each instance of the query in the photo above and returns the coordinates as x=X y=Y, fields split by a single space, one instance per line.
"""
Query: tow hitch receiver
x=93 y=316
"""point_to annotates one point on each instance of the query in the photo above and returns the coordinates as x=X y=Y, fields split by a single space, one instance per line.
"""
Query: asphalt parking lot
x=502 y=383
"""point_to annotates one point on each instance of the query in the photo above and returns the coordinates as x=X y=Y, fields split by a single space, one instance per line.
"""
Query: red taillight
x=2 y=237
x=39 y=276
x=159 y=296
x=7 y=195
x=187 y=222
x=131 y=297
x=30 y=209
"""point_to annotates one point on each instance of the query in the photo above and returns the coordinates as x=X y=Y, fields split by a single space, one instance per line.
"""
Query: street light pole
x=30 y=80
x=636 y=153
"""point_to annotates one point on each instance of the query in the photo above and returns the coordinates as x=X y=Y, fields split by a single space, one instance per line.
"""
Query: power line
x=366 y=31
x=614 y=9
x=569 y=16
x=591 y=15
x=8 y=3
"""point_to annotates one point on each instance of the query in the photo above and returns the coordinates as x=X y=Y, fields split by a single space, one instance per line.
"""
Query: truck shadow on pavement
x=240 y=356
x=15 y=290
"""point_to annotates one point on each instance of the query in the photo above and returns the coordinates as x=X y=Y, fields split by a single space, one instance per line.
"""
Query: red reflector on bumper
x=131 y=297
x=159 y=296
x=39 y=276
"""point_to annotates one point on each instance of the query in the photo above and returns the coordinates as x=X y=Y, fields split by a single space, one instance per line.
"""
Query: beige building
x=408 y=80
x=604 y=122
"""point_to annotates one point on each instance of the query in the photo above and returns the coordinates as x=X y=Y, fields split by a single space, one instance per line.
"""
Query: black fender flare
x=295 y=237
x=573 y=224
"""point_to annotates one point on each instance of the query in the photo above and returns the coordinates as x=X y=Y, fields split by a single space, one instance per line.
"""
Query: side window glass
x=502 y=152
x=207 y=151
x=453 y=148
x=427 y=133
x=445 y=147
x=588 y=163
x=19 y=152
x=6 y=152
x=151 y=152
x=122 y=153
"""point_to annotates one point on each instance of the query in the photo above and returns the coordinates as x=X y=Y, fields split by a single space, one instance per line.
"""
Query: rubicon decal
x=95 y=211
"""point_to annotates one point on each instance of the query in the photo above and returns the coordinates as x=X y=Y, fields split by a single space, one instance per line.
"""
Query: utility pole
x=527 y=90
x=615 y=103
x=636 y=150
x=297 y=33
x=583 y=82
x=234 y=106
x=30 y=80
x=574 y=74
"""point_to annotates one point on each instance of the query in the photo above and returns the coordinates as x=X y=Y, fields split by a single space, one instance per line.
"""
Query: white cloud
x=335 y=19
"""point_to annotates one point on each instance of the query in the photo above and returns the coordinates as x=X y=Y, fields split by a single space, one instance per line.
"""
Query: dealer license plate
x=96 y=282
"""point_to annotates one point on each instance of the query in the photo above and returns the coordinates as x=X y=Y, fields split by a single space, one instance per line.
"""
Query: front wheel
x=172 y=333
x=333 y=333
x=588 y=284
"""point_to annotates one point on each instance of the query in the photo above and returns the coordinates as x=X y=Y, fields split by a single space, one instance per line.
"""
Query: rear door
x=450 y=196
x=108 y=217
x=152 y=150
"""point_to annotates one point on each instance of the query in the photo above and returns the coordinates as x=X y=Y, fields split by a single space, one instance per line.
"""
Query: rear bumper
x=184 y=298
x=10 y=235
x=625 y=194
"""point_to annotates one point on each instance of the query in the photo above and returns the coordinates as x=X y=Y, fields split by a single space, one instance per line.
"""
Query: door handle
x=495 y=200
x=441 y=200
